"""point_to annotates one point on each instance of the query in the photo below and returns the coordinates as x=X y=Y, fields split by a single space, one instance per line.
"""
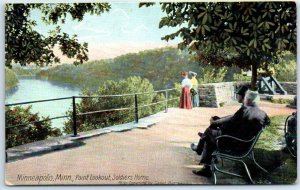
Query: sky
x=126 y=28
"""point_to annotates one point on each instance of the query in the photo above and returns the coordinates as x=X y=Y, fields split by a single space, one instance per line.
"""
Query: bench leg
x=213 y=170
x=263 y=169
x=248 y=173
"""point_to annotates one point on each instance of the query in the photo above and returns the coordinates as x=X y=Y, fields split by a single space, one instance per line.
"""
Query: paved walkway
x=157 y=155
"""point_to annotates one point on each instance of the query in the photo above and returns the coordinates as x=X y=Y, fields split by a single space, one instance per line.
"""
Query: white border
x=2 y=96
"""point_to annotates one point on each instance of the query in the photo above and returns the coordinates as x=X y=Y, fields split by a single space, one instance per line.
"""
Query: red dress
x=185 y=98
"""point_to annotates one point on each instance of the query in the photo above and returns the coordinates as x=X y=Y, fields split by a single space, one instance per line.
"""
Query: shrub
x=222 y=104
x=11 y=80
x=105 y=119
x=286 y=69
x=174 y=94
x=29 y=133
x=210 y=74
x=240 y=77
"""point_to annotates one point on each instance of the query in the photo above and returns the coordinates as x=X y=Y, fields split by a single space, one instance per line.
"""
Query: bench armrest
x=235 y=138
x=232 y=138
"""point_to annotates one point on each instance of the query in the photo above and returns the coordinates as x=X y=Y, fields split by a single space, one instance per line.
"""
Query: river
x=32 y=89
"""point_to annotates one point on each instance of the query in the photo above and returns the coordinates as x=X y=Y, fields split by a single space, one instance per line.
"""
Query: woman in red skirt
x=185 y=98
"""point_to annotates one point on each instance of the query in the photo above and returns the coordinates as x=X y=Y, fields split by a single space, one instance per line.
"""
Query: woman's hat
x=184 y=73
x=193 y=73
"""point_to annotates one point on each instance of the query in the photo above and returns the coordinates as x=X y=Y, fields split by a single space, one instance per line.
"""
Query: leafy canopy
x=222 y=33
x=25 y=45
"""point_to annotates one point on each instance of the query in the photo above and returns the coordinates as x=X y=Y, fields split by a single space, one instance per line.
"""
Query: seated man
x=244 y=124
x=216 y=122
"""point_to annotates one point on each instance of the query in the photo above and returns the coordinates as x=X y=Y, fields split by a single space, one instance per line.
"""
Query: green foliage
x=29 y=133
x=109 y=118
x=240 y=77
x=175 y=95
x=26 y=72
x=255 y=30
x=222 y=104
x=282 y=101
x=209 y=74
x=237 y=33
x=25 y=45
x=286 y=69
x=11 y=79
x=281 y=166
x=161 y=67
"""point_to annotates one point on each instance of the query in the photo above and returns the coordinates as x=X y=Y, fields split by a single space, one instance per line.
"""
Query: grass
x=272 y=134
x=272 y=156
x=269 y=154
x=282 y=101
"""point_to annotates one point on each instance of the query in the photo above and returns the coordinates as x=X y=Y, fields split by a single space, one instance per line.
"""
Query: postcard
x=164 y=93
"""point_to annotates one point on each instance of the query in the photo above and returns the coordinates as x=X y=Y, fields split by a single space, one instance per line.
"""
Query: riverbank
x=11 y=80
x=32 y=89
x=26 y=71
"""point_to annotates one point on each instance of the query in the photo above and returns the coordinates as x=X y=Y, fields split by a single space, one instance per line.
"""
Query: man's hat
x=242 y=90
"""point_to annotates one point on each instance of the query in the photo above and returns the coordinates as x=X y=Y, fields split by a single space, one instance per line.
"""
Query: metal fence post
x=166 y=102
x=74 y=117
x=136 y=109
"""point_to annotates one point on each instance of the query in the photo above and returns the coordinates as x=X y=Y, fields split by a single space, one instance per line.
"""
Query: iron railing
x=136 y=107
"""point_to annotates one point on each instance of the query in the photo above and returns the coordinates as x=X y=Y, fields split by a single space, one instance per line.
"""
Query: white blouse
x=186 y=82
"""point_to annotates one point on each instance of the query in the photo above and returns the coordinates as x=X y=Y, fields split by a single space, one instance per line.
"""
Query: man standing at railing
x=185 y=98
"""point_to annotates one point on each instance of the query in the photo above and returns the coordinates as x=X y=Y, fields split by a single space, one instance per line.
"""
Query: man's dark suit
x=216 y=127
x=244 y=124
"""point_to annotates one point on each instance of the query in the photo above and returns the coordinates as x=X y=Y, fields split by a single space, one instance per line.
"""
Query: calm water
x=31 y=89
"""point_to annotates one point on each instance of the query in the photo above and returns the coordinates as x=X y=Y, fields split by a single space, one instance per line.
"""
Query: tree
x=104 y=119
x=247 y=34
x=24 y=45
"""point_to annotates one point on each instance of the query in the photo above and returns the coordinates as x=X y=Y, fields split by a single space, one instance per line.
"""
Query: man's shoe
x=194 y=146
x=206 y=172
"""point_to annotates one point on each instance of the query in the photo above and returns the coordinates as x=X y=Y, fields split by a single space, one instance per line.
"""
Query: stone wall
x=207 y=95
x=218 y=94
x=290 y=87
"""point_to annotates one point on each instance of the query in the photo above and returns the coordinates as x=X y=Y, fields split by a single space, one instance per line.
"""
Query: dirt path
x=158 y=155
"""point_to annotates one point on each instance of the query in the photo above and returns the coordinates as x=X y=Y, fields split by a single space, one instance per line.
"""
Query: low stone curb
x=69 y=141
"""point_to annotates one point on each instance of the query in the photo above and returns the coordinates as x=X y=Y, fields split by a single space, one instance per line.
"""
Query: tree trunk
x=254 y=77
